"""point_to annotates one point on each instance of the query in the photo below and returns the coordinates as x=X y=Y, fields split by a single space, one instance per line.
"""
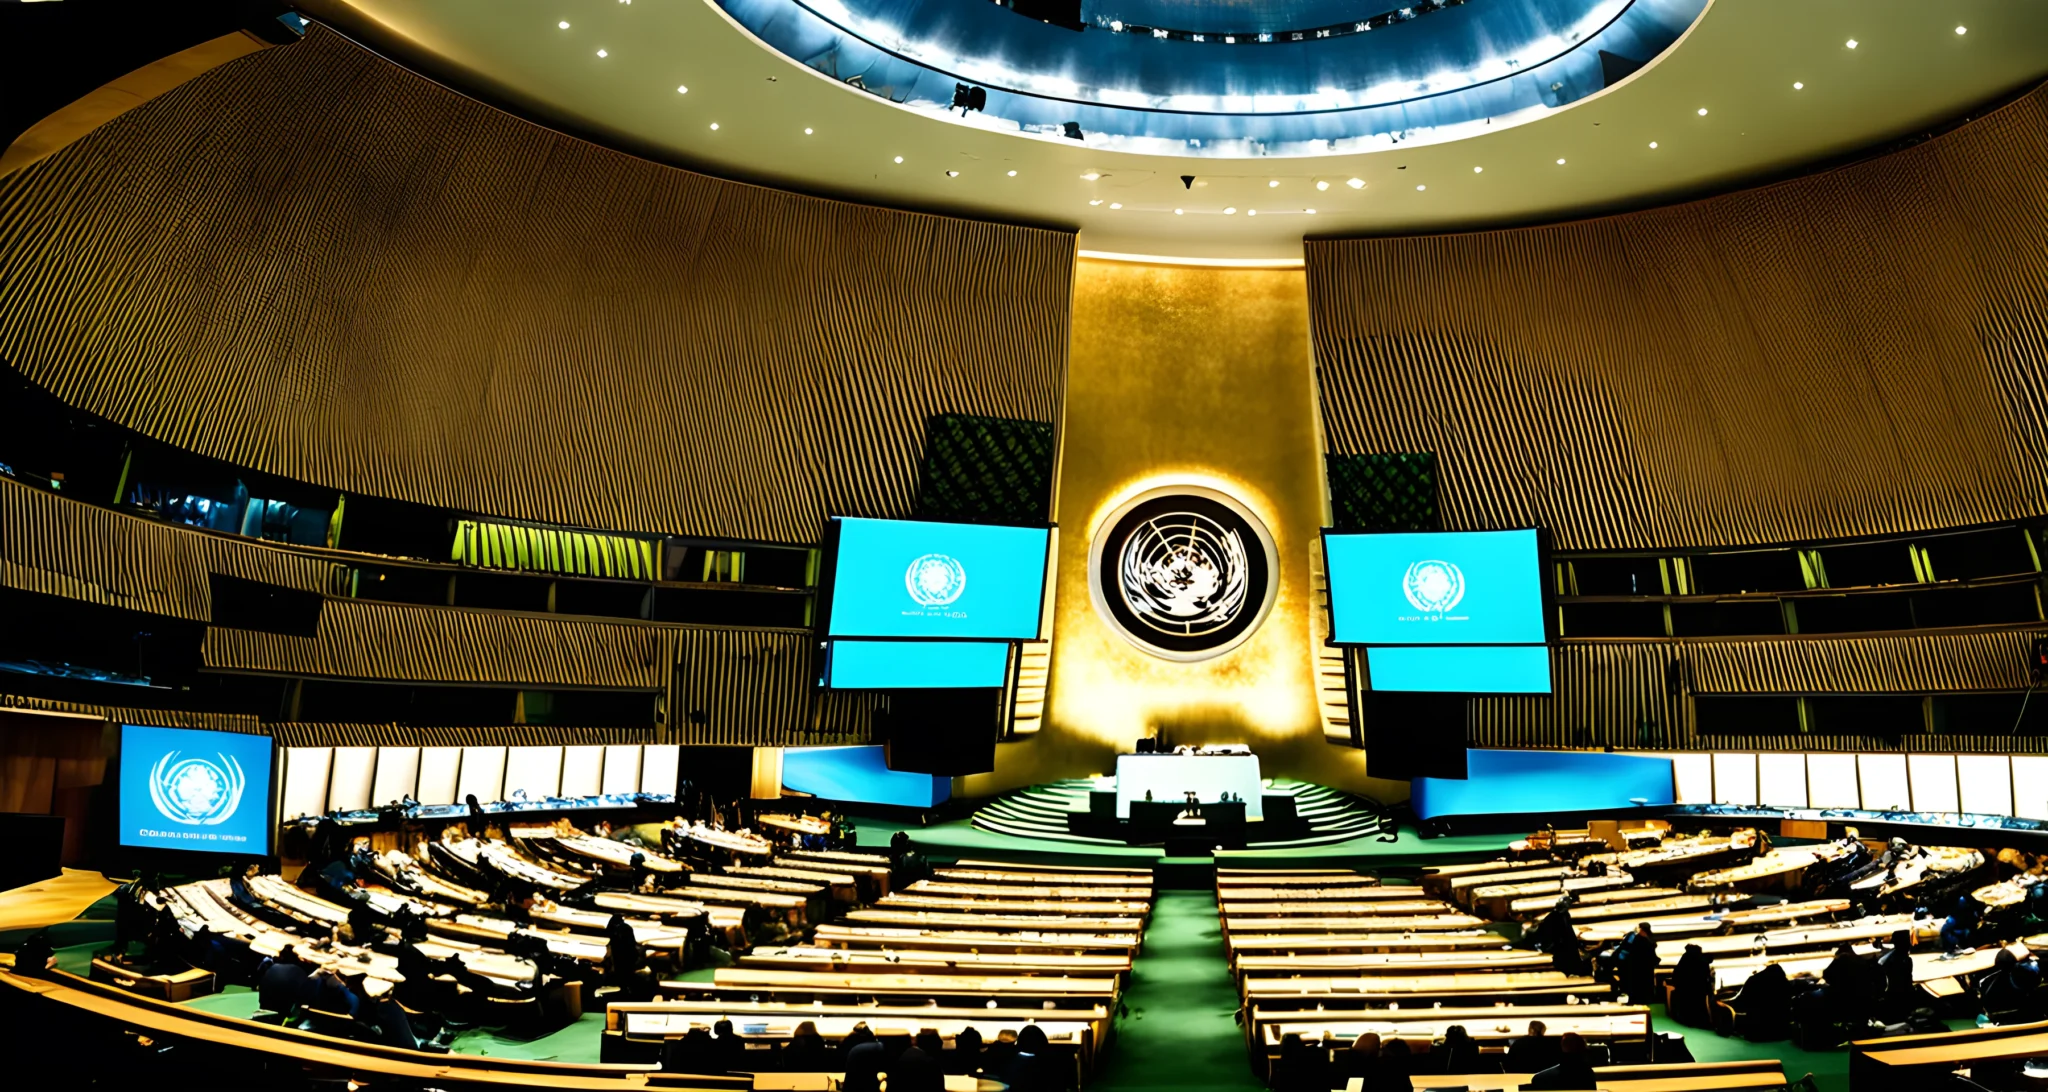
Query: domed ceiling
x=1439 y=116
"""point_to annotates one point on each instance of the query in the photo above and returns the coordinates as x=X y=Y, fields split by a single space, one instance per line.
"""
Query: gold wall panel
x=1199 y=376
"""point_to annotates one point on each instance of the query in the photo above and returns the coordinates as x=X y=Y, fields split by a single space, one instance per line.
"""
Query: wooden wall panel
x=304 y=734
x=758 y=686
x=167 y=718
x=57 y=546
x=358 y=639
x=315 y=263
x=1858 y=352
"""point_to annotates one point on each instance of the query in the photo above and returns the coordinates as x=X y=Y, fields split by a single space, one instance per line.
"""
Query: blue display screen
x=1544 y=783
x=1456 y=669
x=182 y=788
x=902 y=665
x=906 y=578
x=859 y=775
x=1438 y=588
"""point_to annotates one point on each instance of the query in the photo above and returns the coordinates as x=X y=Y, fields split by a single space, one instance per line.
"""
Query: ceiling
x=1756 y=89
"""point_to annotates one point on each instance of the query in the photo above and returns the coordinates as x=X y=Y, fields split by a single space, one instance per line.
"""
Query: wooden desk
x=1929 y=969
x=1492 y=1024
x=1420 y=981
x=1494 y=900
x=1779 y=869
x=881 y=936
x=1618 y=903
x=795 y=824
x=776 y=1022
x=1016 y=891
x=1377 y=963
x=1434 y=923
x=1232 y=907
x=1735 y=920
x=1138 y=875
x=1917 y=1061
x=1044 y=879
x=1691 y=1077
x=1103 y=987
x=1320 y=894
x=1259 y=944
x=1130 y=907
x=930 y=961
x=946 y=919
x=1819 y=936
x=1263 y=878
x=1437 y=881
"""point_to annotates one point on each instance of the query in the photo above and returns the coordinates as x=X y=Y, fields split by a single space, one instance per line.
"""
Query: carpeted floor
x=1181 y=1031
x=60 y=898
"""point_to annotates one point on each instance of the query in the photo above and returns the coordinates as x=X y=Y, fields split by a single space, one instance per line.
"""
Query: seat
x=517 y=1017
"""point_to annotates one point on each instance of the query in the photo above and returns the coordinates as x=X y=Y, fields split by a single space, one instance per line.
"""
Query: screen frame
x=828 y=580
x=828 y=647
x=167 y=856
x=1549 y=669
x=1545 y=589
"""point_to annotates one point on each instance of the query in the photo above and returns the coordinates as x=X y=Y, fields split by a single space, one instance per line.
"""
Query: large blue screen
x=182 y=788
x=1439 y=588
x=859 y=775
x=1479 y=669
x=906 y=578
x=902 y=665
x=1544 y=783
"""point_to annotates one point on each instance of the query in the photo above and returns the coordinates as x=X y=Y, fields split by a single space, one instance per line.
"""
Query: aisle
x=1182 y=1030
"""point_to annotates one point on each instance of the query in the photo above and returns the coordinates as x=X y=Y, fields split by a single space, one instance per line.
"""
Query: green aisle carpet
x=1181 y=1031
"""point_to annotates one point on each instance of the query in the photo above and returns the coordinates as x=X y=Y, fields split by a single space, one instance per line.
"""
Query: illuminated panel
x=483 y=774
x=305 y=781
x=903 y=665
x=1483 y=669
x=660 y=766
x=1541 y=782
x=961 y=581
x=1884 y=782
x=1831 y=781
x=537 y=770
x=398 y=775
x=1987 y=783
x=1441 y=588
x=184 y=788
x=438 y=769
x=621 y=768
x=582 y=770
x=859 y=775
x=1781 y=780
x=348 y=783
x=2030 y=786
x=1933 y=779
x=1693 y=776
x=1735 y=779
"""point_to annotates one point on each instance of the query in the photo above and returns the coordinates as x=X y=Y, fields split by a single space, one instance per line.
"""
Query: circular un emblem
x=1433 y=586
x=195 y=791
x=1184 y=573
x=935 y=580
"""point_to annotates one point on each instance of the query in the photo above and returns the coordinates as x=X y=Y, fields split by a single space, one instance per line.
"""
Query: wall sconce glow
x=1962 y=30
x=1653 y=144
x=1013 y=174
x=1560 y=162
x=1419 y=189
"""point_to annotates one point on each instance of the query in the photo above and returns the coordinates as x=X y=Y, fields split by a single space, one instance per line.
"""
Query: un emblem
x=195 y=791
x=935 y=580
x=1183 y=572
x=1433 y=586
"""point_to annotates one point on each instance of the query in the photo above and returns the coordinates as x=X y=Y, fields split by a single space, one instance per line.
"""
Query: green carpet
x=1181 y=1031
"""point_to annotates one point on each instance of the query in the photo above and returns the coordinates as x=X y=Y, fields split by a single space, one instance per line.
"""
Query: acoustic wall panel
x=582 y=770
x=440 y=771
x=348 y=785
x=535 y=771
x=523 y=318
x=1832 y=782
x=482 y=774
x=305 y=781
x=621 y=770
x=659 y=768
x=1735 y=779
x=1884 y=782
x=1932 y=779
x=2030 y=786
x=1781 y=780
x=398 y=775
x=1987 y=784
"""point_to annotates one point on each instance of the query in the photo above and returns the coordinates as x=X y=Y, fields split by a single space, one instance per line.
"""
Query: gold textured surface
x=1199 y=376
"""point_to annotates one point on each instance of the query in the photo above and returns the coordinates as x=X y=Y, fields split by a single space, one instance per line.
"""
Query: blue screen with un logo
x=182 y=788
x=964 y=581
x=1436 y=588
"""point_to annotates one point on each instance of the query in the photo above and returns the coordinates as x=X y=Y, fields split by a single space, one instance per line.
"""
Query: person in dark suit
x=1361 y=1060
x=1397 y=1063
x=805 y=1052
x=864 y=1067
x=1301 y=1067
x=282 y=983
x=915 y=1070
x=1573 y=1070
x=1533 y=1052
x=1636 y=962
x=1461 y=1051
x=1692 y=984
x=966 y=1056
x=381 y=1010
x=328 y=993
x=1033 y=1069
x=726 y=1047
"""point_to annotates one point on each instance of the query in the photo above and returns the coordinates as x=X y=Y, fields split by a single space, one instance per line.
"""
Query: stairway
x=1041 y=812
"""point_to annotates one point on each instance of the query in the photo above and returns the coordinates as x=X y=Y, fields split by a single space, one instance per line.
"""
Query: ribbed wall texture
x=1615 y=693
x=57 y=546
x=756 y=686
x=298 y=734
x=366 y=640
x=168 y=718
x=1859 y=352
x=271 y=266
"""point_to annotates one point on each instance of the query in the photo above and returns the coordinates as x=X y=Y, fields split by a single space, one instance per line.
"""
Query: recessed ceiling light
x=807 y=131
x=1231 y=211
x=949 y=174
x=1703 y=111
x=1653 y=144
x=1311 y=212
x=601 y=53
x=1962 y=30
x=1355 y=183
x=1419 y=189
x=1798 y=86
x=1251 y=212
x=564 y=24
x=714 y=126
x=1479 y=170
x=1275 y=182
x=1097 y=201
x=1560 y=162
x=682 y=89
x=1852 y=43
x=1180 y=212
x=1116 y=204
x=1013 y=174
x=899 y=159
x=1092 y=175
x=1322 y=185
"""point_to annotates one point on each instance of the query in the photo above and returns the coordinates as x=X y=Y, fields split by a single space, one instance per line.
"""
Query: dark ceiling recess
x=1060 y=13
x=52 y=54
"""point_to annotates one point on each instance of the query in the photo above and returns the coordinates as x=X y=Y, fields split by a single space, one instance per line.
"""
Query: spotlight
x=967 y=98
x=1072 y=130
x=1187 y=181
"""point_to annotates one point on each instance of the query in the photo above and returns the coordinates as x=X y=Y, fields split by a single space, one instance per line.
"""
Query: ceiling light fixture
x=1251 y=212
x=602 y=54
x=1322 y=185
x=1703 y=111
x=714 y=126
x=1419 y=189
x=1092 y=175
x=1653 y=144
x=807 y=131
x=949 y=174
x=1180 y=212
x=564 y=24
x=1560 y=162
x=1013 y=174
x=1852 y=43
x=1231 y=211
x=1116 y=204
x=1355 y=183
x=1274 y=184
x=1962 y=30
x=1479 y=170
x=1311 y=212
x=1798 y=86
x=899 y=159
x=1097 y=201
x=682 y=89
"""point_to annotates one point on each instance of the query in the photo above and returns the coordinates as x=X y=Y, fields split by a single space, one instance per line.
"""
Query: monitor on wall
x=1436 y=588
x=185 y=788
x=919 y=580
x=904 y=665
x=1460 y=669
